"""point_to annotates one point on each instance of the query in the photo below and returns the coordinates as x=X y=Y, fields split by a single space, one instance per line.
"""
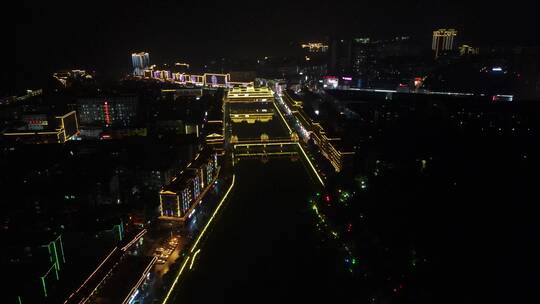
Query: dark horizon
x=55 y=36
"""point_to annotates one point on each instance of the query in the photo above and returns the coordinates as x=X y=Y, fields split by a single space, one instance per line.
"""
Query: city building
x=214 y=134
x=527 y=63
x=146 y=162
x=183 y=92
x=181 y=111
x=216 y=80
x=207 y=79
x=141 y=61
x=364 y=62
x=315 y=128
x=315 y=47
x=68 y=77
x=36 y=263
x=182 y=65
x=162 y=74
x=179 y=74
x=363 y=57
x=249 y=94
x=44 y=128
x=29 y=94
x=468 y=50
x=443 y=41
x=340 y=56
x=108 y=111
x=251 y=113
x=179 y=198
x=214 y=128
x=239 y=77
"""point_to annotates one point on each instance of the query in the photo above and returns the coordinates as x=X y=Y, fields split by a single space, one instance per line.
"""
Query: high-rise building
x=340 y=57
x=141 y=61
x=443 y=40
x=108 y=111
x=364 y=54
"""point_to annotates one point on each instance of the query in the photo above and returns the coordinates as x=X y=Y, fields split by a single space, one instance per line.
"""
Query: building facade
x=331 y=147
x=315 y=47
x=340 y=61
x=465 y=50
x=141 y=61
x=443 y=41
x=249 y=94
x=45 y=129
x=179 y=198
x=108 y=111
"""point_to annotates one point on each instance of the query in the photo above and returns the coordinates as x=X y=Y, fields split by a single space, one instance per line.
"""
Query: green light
x=122 y=227
x=353 y=261
x=62 y=248
x=45 y=275
x=120 y=232
x=56 y=258
x=44 y=288
x=50 y=253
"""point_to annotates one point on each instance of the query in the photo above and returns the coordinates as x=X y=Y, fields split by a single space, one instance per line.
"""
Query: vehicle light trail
x=134 y=240
x=133 y=291
x=176 y=280
x=91 y=275
x=193 y=259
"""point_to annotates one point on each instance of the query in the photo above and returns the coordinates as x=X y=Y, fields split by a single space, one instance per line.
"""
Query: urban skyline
x=99 y=37
x=340 y=152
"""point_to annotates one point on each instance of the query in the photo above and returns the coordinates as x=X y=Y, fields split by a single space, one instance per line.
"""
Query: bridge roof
x=249 y=92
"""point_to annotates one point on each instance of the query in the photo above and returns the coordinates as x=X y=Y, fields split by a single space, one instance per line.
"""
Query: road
x=160 y=235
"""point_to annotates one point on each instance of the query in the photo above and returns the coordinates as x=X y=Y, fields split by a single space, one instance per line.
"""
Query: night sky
x=101 y=35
